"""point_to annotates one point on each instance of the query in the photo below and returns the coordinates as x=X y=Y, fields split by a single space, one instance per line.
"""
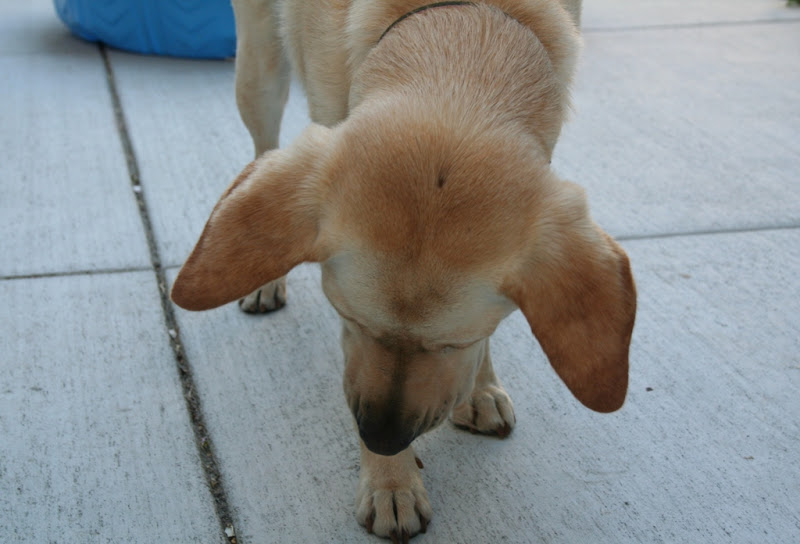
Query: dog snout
x=385 y=432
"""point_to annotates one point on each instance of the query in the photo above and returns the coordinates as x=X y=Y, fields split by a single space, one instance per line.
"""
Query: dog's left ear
x=265 y=224
x=577 y=292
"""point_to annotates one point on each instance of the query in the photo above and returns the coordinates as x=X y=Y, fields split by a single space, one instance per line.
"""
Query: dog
x=423 y=188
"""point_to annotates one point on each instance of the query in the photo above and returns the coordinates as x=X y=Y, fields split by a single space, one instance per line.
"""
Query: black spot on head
x=441 y=181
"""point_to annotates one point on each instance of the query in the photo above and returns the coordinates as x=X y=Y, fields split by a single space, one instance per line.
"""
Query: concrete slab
x=687 y=129
x=717 y=342
x=67 y=202
x=615 y=14
x=702 y=450
x=96 y=442
x=188 y=138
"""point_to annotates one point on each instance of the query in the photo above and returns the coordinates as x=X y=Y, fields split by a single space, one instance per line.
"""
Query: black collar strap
x=423 y=8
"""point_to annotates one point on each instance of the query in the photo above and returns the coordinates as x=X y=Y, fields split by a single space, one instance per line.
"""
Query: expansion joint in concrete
x=205 y=446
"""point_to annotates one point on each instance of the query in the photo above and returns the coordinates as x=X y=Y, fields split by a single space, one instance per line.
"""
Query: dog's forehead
x=420 y=298
x=410 y=191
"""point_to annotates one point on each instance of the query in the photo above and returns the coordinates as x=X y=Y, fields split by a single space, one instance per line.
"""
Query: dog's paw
x=489 y=410
x=267 y=298
x=393 y=505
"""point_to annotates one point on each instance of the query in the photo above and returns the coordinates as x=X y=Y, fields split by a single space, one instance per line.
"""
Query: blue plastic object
x=180 y=28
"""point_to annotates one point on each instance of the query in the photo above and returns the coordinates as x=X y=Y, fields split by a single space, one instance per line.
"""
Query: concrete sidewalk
x=686 y=136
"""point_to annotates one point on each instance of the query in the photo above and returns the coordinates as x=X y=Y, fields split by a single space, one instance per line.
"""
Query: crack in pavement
x=205 y=446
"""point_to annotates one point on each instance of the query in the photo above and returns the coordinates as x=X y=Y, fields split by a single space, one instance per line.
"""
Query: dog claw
x=419 y=463
x=402 y=538
x=504 y=431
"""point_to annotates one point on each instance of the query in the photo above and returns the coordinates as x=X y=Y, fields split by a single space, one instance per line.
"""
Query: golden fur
x=424 y=190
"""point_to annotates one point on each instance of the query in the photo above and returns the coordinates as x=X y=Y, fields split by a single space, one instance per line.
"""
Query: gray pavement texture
x=685 y=135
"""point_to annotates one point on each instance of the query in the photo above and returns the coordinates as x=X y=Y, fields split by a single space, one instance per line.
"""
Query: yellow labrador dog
x=423 y=189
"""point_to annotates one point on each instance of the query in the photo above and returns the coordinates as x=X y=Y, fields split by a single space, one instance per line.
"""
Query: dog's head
x=428 y=237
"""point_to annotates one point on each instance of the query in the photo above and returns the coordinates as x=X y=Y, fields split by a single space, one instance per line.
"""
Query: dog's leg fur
x=489 y=409
x=262 y=88
x=391 y=500
x=574 y=7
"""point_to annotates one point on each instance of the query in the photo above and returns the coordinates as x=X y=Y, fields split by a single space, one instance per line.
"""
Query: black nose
x=384 y=435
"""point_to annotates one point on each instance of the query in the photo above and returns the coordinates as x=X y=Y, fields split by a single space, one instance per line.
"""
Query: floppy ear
x=265 y=224
x=578 y=295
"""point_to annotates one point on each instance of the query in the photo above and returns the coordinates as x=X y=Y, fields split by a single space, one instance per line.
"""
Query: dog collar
x=421 y=9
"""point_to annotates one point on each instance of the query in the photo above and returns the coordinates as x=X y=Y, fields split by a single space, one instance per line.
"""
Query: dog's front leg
x=391 y=500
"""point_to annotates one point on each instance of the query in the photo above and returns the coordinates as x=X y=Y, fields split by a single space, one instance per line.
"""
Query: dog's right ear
x=265 y=224
x=577 y=292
